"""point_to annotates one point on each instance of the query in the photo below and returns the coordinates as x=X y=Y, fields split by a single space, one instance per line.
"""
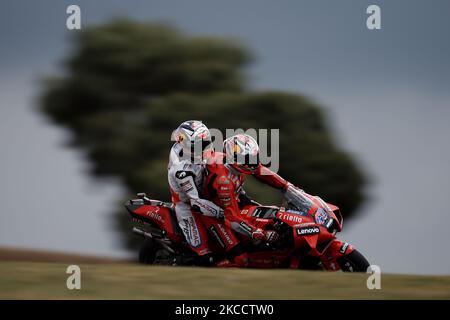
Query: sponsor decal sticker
x=302 y=213
x=223 y=194
x=181 y=174
x=217 y=236
x=191 y=232
x=186 y=186
x=291 y=217
x=199 y=206
x=306 y=224
x=307 y=231
x=225 y=233
x=246 y=227
x=321 y=216
x=204 y=251
x=343 y=248
x=223 y=180
x=154 y=215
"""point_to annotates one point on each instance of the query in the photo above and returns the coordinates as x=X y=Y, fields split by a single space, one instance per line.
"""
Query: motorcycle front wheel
x=353 y=262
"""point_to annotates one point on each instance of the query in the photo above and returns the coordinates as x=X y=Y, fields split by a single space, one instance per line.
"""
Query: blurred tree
x=129 y=84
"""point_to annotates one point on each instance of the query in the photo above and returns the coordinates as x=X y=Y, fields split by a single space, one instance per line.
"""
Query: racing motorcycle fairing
x=162 y=215
x=303 y=236
x=157 y=213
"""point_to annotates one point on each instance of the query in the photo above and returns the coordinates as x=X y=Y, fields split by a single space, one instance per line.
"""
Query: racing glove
x=269 y=236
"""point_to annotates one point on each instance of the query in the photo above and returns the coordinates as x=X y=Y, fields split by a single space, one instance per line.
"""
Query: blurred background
x=86 y=115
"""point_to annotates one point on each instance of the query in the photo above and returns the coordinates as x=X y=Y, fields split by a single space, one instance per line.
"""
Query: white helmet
x=194 y=137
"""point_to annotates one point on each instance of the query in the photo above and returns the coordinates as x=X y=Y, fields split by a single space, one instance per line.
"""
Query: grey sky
x=387 y=93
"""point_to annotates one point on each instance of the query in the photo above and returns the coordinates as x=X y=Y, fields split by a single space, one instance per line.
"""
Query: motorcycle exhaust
x=150 y=236
x=142 y=233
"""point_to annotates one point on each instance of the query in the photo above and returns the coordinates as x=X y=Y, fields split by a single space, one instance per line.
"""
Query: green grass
x=35 y=280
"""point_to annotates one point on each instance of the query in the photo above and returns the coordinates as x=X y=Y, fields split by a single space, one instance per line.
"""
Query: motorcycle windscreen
x=299 y=201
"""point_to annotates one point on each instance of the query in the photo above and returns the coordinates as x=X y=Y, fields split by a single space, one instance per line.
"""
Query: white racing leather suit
x=185 y=181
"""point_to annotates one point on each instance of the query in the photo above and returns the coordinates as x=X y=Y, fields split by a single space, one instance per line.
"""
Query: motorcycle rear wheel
x=147 y=253
x=353 y=262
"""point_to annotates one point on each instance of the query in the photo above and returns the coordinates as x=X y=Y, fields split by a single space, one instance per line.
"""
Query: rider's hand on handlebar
x=258 y=234
x=269 y=236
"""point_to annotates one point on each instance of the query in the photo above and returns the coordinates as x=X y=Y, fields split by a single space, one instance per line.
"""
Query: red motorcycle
x=307 y=236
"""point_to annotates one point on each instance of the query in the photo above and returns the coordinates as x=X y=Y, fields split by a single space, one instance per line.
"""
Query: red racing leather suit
x=224 y=186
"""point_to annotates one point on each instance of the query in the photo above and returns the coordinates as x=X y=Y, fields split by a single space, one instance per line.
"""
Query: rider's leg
x=194 y=232
x=236 y=257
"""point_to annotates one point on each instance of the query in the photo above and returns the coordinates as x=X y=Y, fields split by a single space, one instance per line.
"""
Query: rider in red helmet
x=226 y=176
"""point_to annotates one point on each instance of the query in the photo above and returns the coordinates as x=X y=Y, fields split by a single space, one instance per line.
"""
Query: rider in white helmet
x=186 y=174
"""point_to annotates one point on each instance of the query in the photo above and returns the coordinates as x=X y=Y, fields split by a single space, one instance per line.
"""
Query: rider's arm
x=185 y=180
x=244 y=200
x=267 y=176
x=293 y=194
x=226 y=194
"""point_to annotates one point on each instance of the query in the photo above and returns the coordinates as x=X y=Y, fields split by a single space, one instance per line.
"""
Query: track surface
x=41 y=280
x=33 y=274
